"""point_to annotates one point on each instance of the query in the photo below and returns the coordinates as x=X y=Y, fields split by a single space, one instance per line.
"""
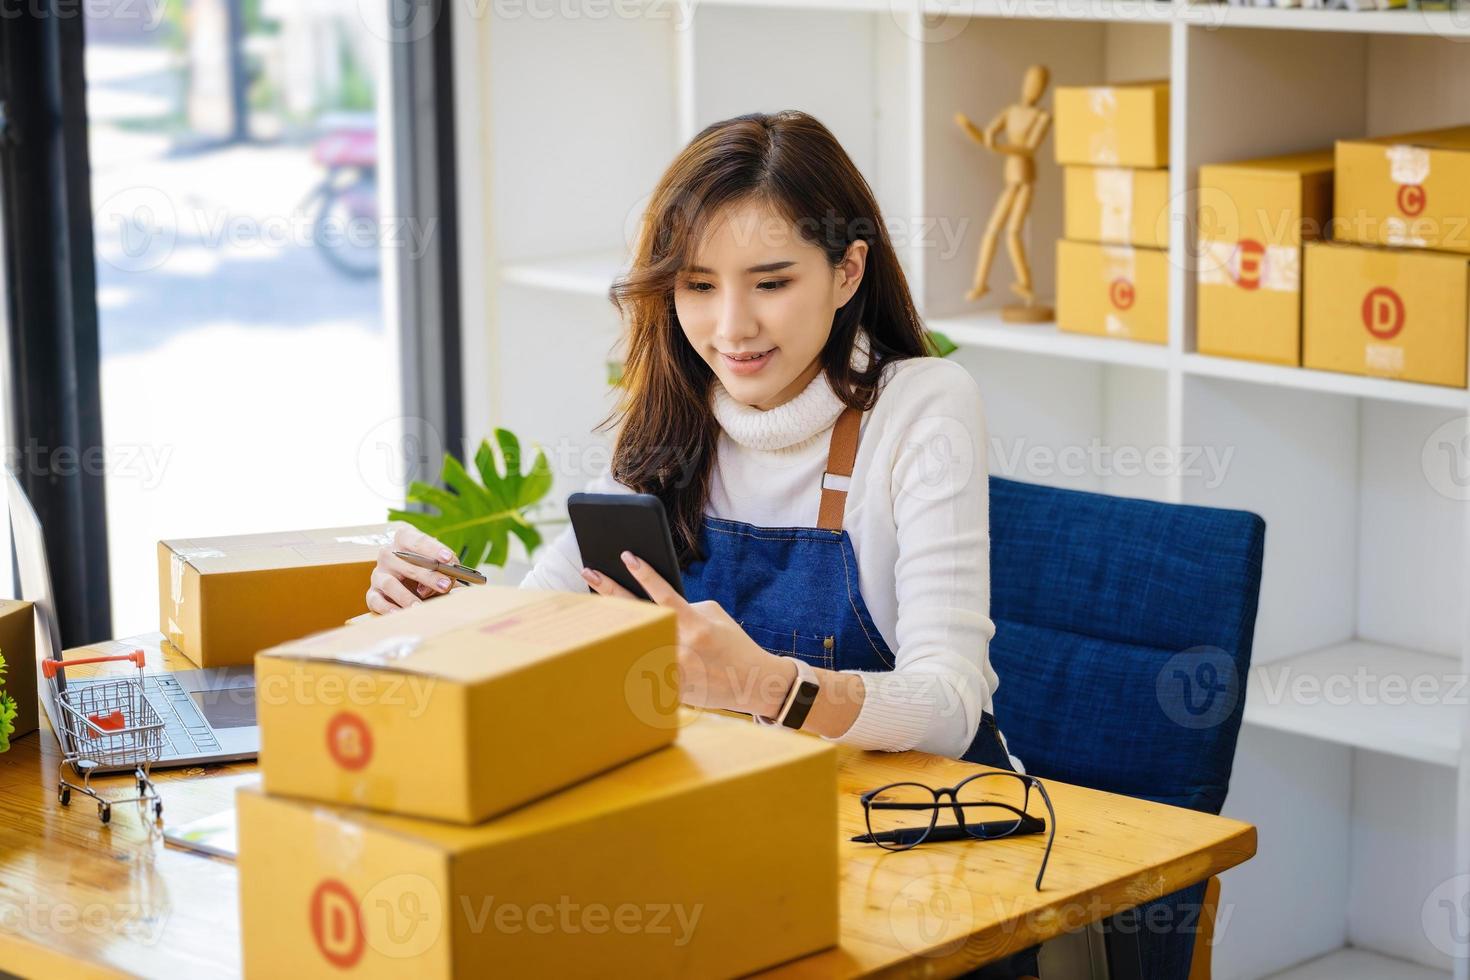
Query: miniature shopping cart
x=106 y=725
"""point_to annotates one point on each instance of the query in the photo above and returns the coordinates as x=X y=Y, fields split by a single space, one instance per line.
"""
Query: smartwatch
x=799 y=699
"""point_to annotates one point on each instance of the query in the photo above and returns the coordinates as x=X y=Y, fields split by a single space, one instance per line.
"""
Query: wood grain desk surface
x=97 y=900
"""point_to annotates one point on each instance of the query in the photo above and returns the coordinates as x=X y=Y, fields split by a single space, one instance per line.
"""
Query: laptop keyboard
x=185 y=732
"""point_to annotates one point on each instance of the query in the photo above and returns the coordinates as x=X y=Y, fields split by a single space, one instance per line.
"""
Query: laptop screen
x=35 y=587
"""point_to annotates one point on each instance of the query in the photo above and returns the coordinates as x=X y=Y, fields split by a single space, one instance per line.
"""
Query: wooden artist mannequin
x=1024 y=126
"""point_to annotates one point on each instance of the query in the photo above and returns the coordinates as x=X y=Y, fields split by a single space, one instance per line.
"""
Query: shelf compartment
x=1307 y=379
x=1434 y=23
x=1427 y=732
x=1359 y=964
x=988 y=330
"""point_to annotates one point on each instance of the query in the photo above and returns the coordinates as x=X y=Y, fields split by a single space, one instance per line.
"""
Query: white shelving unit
x=1363 y=808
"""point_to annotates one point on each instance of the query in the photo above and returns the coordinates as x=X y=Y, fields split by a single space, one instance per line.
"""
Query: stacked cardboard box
x=1253 y=218
x=497 y=781
x=1112 y=266
x=1389 y=297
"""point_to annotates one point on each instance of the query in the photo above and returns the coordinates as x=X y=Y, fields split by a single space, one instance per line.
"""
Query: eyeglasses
x=1000 y=799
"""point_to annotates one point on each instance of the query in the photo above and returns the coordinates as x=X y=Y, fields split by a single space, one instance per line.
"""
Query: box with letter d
x=715 y=857
x=1392 y=313
x=469 y=704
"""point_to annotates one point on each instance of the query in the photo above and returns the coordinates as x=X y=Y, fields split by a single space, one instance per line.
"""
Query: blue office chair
x=1123 y=633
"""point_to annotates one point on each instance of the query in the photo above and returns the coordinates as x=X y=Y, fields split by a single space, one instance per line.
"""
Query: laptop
x=208 y=715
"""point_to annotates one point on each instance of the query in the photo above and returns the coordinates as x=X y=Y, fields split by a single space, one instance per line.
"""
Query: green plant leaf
x=8 y=710
x=939 y=344
x=476 y=518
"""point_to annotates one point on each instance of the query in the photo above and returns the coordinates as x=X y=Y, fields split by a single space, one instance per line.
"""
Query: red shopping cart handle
x=50 y=667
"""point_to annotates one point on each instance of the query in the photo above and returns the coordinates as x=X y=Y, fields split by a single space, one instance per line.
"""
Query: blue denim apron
x=795 y=591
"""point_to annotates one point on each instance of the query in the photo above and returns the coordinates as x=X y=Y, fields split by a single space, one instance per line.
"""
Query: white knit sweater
x=917 y=513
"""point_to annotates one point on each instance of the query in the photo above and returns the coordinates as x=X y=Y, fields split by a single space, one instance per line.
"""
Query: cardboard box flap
x=256 y=552
x=1117 y=86
x=513 y=628
x=1453 y=138
x=710 y=749
x=1288 y=165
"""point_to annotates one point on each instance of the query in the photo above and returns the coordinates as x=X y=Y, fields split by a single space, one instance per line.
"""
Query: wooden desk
x=97 y=900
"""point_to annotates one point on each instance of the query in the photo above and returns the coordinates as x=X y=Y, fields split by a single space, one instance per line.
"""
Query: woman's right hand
x=396 y=584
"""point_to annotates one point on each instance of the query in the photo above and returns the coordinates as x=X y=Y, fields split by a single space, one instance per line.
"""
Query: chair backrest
x=1123 y=633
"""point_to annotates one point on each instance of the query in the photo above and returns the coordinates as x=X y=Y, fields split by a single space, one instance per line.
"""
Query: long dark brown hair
x=789 y=162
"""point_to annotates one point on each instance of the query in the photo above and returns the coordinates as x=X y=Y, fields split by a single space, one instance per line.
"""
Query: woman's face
x=757 y=302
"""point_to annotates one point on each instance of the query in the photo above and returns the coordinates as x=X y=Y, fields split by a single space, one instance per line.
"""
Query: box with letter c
x=1113 y=291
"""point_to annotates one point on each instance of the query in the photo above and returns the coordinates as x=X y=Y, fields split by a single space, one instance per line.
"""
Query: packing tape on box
x=1383 y=358
x=1104 y=104
x=177 y=559
x=1114 y=191
x=1274 y=267
x=1397 y=231
x=1119 y=262
x=384 y=653
x=1407 y=164
x=377 y=540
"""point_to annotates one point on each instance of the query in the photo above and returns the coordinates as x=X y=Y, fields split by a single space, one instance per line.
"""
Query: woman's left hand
x=720 y=666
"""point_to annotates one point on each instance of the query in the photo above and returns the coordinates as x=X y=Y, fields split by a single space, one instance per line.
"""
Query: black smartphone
x=608 y=524
x=463 y=574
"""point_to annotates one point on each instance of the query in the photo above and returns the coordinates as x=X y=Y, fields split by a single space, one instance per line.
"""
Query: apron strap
x=840 y=456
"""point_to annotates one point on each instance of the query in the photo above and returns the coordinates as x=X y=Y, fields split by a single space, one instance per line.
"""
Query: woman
x=825 y=479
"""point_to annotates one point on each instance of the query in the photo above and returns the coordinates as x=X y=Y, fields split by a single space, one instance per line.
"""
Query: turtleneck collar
x=812 y=411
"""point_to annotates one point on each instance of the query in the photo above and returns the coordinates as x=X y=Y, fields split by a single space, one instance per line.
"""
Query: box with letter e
x=1253 y=217
x=1391 y=313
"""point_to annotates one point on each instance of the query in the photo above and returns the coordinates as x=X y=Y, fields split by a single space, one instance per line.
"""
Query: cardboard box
x=221 y=600
x=1253 y=218
x=1113 y=291
x=469 y=704
x=715 y=857
x=1116 y=206
x=1391 y=313
x=1409 y=190
x=18 y=646
x=1113 y=125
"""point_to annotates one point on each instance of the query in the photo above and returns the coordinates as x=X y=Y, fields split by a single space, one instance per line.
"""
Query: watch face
x=801 y=704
